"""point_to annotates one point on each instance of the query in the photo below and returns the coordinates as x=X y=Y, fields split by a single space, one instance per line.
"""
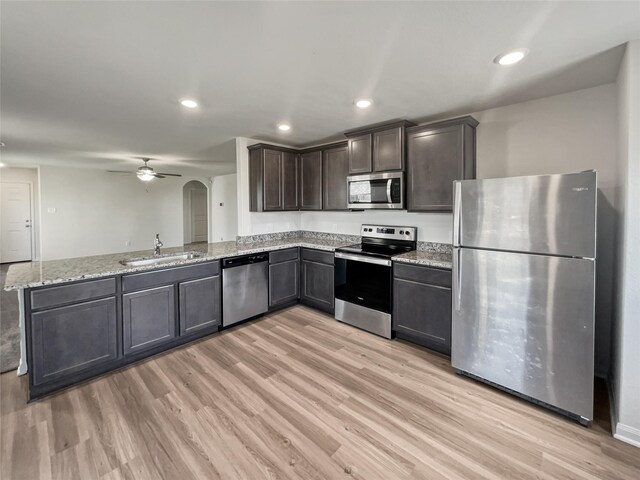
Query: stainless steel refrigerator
x=524 y=287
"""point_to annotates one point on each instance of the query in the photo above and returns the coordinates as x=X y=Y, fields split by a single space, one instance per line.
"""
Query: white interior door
x=15 y=222
x=199 y=223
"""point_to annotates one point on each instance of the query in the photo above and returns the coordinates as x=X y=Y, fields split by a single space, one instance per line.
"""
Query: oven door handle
x=359 y=258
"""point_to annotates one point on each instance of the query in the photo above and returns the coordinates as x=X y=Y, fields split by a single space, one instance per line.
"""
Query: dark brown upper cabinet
x=290 y=175
x=273 y=178
x=310 y=185
x=438 y=154
x=379 y=148
x=360 y=154
x=335 y=166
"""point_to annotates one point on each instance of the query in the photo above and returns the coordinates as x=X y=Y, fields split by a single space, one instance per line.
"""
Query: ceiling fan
x=146 y=173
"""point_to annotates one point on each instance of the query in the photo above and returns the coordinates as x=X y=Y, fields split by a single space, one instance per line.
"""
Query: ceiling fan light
x=145 y=176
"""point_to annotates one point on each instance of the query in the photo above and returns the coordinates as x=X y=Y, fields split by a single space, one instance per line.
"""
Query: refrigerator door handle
x=457 y=279
x=457 y=197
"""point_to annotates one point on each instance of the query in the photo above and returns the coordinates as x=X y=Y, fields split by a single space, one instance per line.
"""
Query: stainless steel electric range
x=363 y=276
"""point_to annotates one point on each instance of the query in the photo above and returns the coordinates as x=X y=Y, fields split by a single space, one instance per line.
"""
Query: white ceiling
x=96 y=84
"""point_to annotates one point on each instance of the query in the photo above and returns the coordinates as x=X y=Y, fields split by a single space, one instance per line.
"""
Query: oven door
x=363 y=280
x=378 y=190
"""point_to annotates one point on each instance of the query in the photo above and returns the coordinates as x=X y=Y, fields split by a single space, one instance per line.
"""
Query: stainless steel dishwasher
x=245 y=287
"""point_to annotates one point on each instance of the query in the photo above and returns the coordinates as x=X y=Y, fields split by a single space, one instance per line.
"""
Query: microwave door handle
x=389 y=191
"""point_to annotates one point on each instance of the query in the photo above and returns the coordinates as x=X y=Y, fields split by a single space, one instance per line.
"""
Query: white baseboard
x=621 y=432
x=627 y=434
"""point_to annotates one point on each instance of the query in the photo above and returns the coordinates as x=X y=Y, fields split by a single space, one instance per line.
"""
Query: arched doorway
x=196 y=212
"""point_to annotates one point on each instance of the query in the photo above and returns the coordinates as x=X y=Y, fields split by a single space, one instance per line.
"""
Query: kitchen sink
x=159 y=259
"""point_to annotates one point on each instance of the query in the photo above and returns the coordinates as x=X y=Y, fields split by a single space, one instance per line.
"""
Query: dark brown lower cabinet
x=81 y=329
x=422 y=306
x=72 y=339
x=148 y=318
x=316 y=279
x=200 y=304
x=284 y=282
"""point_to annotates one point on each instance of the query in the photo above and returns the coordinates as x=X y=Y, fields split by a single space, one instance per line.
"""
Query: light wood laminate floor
x=297 y=395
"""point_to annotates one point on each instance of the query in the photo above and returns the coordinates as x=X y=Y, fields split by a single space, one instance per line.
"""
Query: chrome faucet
x=157 y=244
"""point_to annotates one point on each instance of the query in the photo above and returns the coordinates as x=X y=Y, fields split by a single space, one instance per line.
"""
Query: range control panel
x=389 y=232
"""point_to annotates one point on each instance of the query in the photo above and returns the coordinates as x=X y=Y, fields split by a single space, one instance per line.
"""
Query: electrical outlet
x=51 y=210
x=127 y=243
x=335 y=227
x=269 y=227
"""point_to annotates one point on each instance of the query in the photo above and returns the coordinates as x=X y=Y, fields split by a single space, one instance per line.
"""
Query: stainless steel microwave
x=376 y=190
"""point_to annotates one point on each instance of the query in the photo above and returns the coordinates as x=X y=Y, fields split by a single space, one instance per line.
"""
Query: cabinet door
x=316 y=288
x=422 y=314
x=73 y=339
x=335 y=165
x=148 y=318
x=435 y=160
x=200 y=304
x=272 y=177
x=256 y=196
x=360 y=154
x=311 y=181
x=290 y=181
x=283 y=282
x=388 y=150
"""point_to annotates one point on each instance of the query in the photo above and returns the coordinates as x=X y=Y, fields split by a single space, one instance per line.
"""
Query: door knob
x=28 y=226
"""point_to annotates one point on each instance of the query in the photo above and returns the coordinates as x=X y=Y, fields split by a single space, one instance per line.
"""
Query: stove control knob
x=407 y=233
x=401 y=232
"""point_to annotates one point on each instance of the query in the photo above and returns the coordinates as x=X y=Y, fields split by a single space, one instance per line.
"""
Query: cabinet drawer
x=318 y=256
x=415 y=273
x=54 y=296
x=138 y=281
x=283 y=255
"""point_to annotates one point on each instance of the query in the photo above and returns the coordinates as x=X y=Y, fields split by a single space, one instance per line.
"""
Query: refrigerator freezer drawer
x=545 y=214
x=526 y=322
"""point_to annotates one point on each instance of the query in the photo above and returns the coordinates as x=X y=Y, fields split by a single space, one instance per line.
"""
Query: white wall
x=625 y=371
x=98 y=212
x=224 y=218
x=27 y=175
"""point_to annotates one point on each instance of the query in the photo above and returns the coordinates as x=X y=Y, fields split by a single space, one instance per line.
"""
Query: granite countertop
x=427 y=258
x=36 y=274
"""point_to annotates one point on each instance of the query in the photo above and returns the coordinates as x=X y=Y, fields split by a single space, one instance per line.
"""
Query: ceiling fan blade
x=159 y=175
x=121 y=171
x=169 y=174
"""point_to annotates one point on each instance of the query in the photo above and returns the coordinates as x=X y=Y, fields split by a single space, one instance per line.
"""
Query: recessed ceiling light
x=284 y=127
x=509 y=58
x=363 y=103
x=189 y=103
